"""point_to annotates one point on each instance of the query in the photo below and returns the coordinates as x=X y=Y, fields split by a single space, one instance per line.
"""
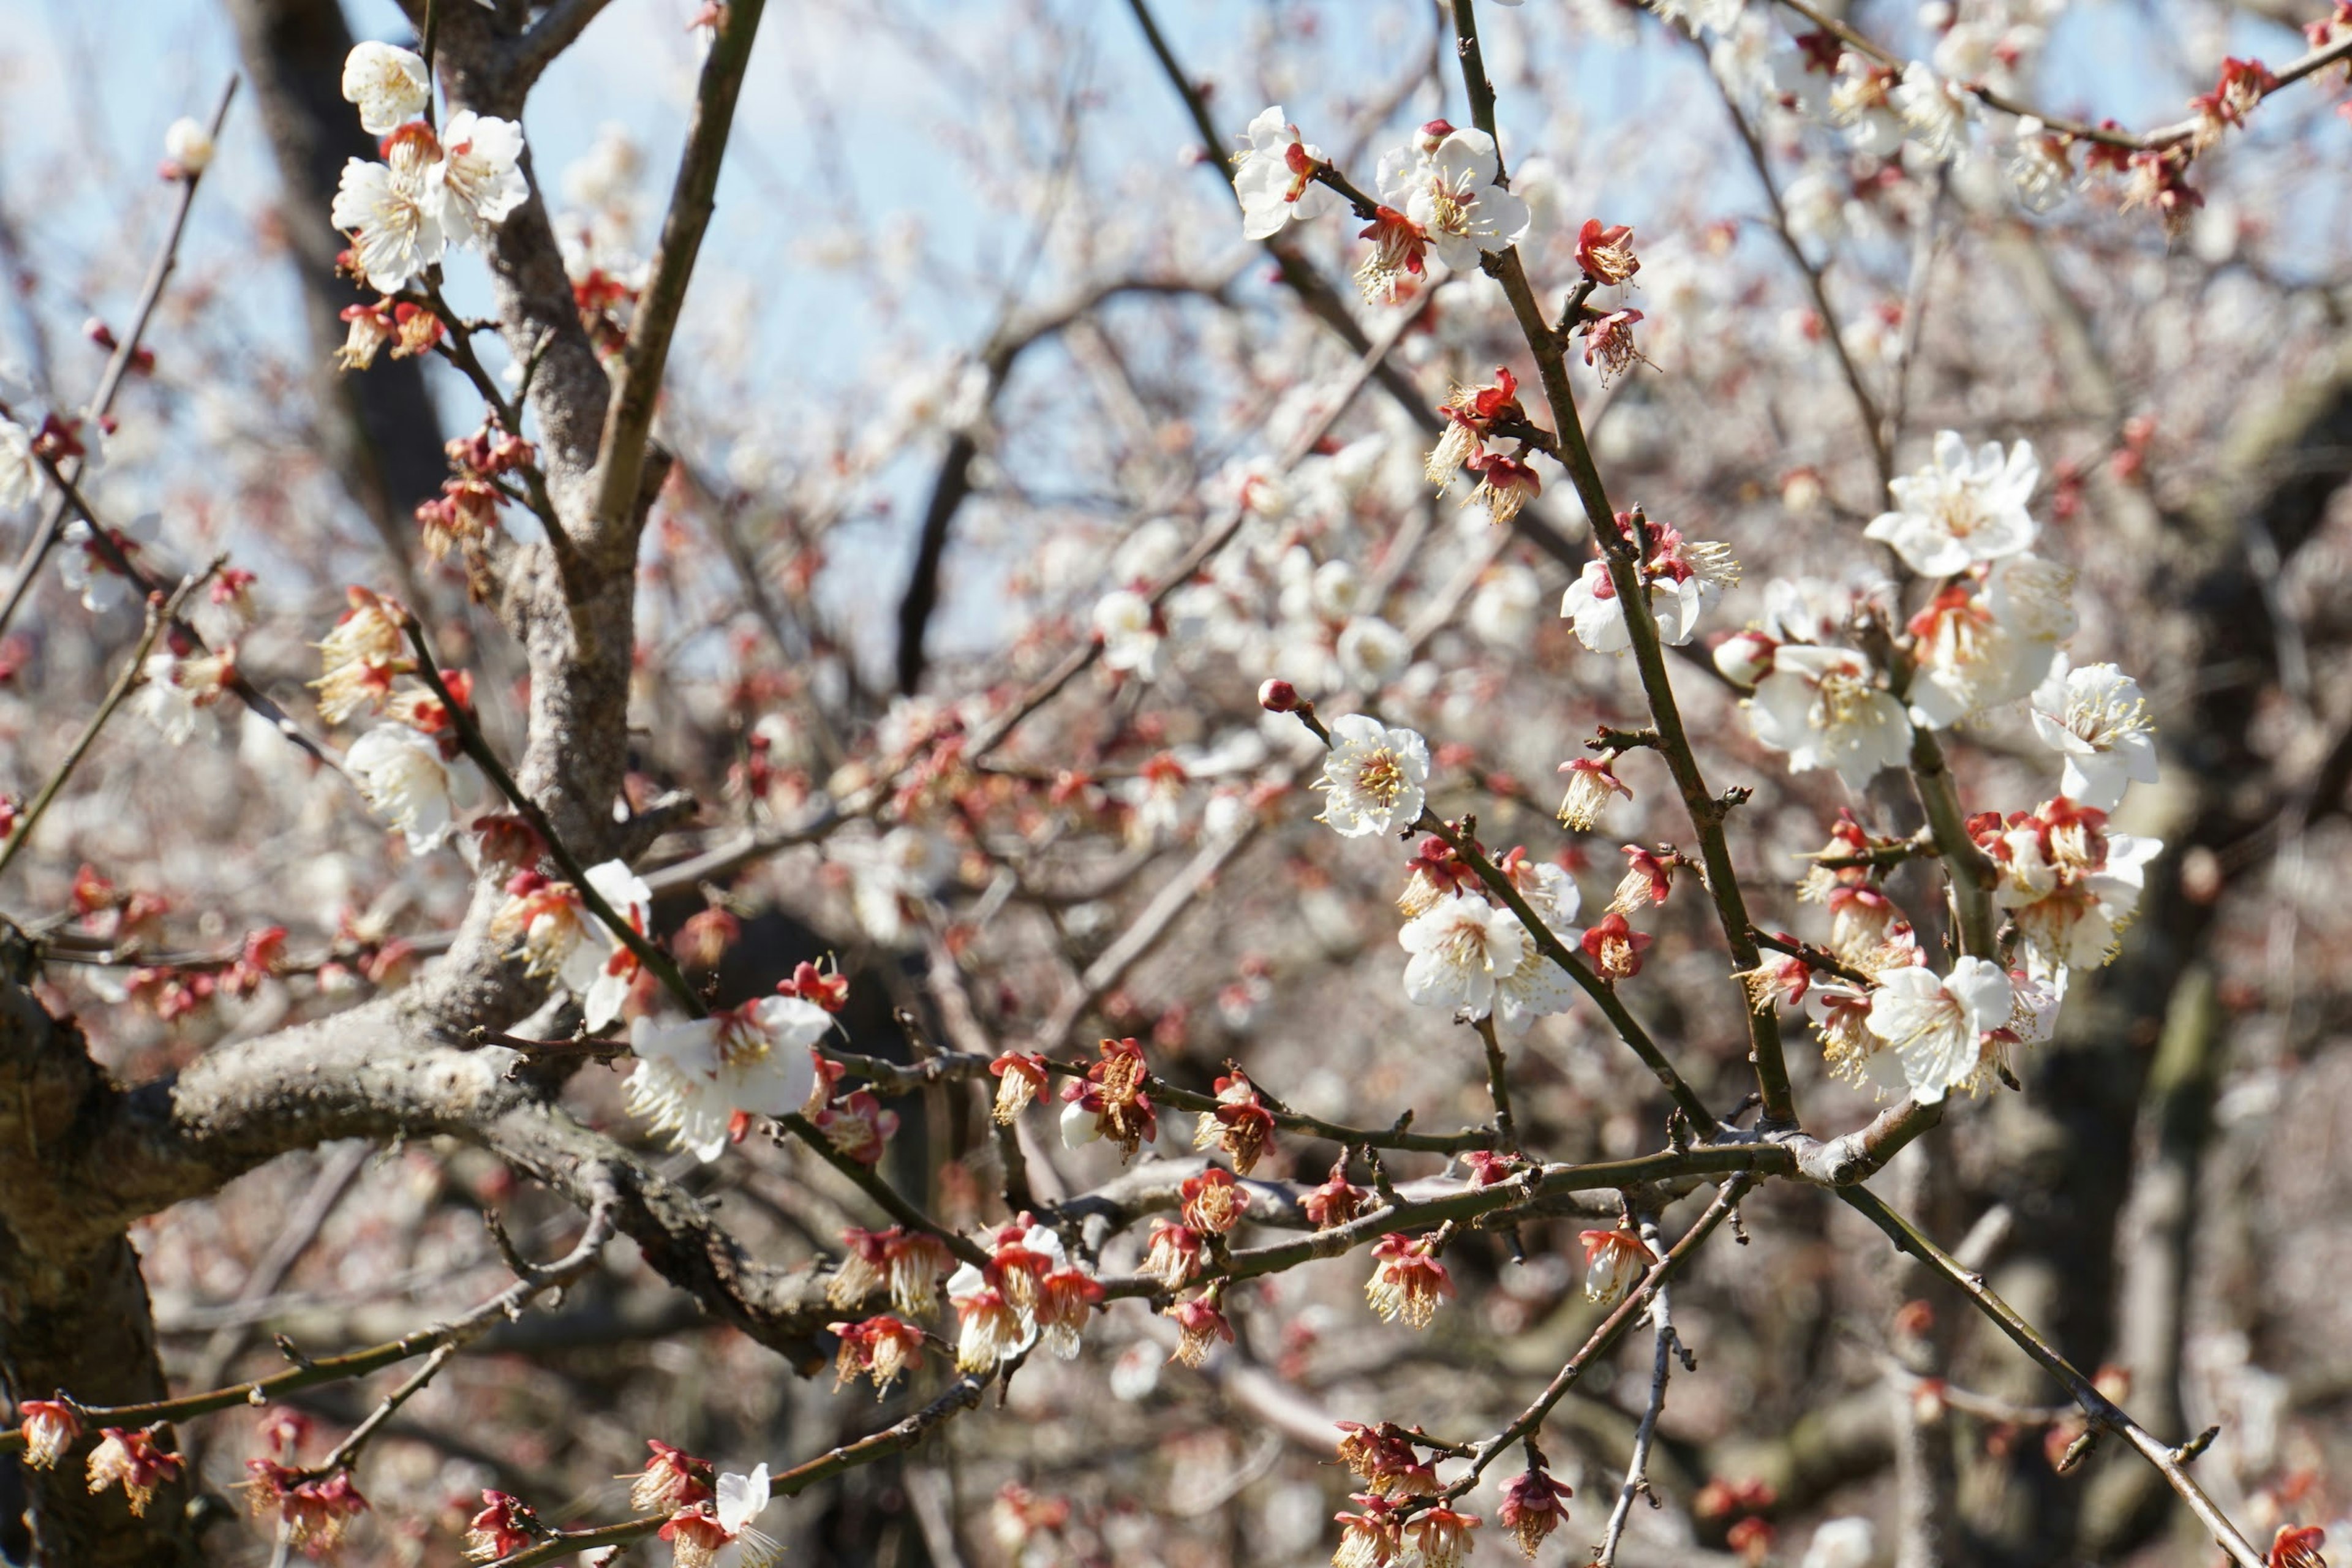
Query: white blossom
x=1860 y=105
x=480 y=178
x=404 y=779
x=1969 y=660
x=393 y=213
x=388 y=84
x=1460 y=947
x=1821 y=706
x=20 y=476
x=692 y=1078
x=85 y=569
x=2070 y=890
x=1272 y=178
x=1451 y=193
x=1373 y=652
x=1130 y=639
x=602 y=982
x=2039 y=170
x=1502 y=614
x=1934 y=113
x=1592 y=603
x=1961 y=509
x=1374 y=778
x=2098 y=721
x=1936 y=1027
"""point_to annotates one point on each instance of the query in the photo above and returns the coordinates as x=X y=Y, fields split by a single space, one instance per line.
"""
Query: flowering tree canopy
x=1014 y=874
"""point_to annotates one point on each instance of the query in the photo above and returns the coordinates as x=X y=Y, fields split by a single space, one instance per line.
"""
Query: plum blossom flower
x=1274 y=177
x=1449 y=193
x=392 y=211
x=1200 y=1324
x=1591 y=782
x=1130 y=633
x=1460 y=949
x=1408 y=1281
x=1935 y=1027
x=1372 y=651
x=1471 y=414
x=1933 y=111
x=699 y=1081
x=2095 y=719
x=602 y=985
x=718 y=1531
x=130 y=1458
x=1821 y=706
x=881 y=1348
x=2070 y=886
x=86 y=568
x=1861 y=104
x=1504 y=487
x=1019 y=1078
x=1686 y=578
x=997 y=1305
x=502 y=1527
x=1605 y=255
x=1534 y=1505
x=178 y=695
x=1968 y=659
x=20 y=476
x=1614 y=1261
x=50 y=1428
x=1615 y=948
x=404 y=780
x=1441 y=1535
x=2041 y=169
x=480 y=178
x=1374 y=780
x=1962 y=509
x=387 y=83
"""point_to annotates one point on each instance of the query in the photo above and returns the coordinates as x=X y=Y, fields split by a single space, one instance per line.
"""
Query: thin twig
x=2102 y=1411
x=1637 y=1468
x=159 y=613
x=629 y=417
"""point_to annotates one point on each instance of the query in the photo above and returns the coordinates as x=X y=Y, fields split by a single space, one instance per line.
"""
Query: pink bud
x=1278 y=696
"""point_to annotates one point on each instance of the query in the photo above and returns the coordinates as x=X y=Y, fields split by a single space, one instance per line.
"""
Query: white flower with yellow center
x=387 y=83
x=2098 y=721
x=402 y=776
x=1962 y=509
x=1374 y=779
x=1821 y=706
x=1462 y=949
x=1936 y=1027
x=694 y=1079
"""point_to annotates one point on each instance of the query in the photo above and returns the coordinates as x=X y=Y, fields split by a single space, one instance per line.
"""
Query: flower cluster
x=1028 y=1290
x=431 y=190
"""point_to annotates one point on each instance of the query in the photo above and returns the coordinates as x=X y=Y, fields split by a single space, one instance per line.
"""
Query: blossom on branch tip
x=1534 y=1505
x=503 y=1527
x=1605 y=255
x=1449 y=192
x=48 y=1427
x=2096 y=721
x=672 y=1478
x=1614 y=1261
x=387 y=83
x=881 y=1348
x=1591 y=782
x=1274 y=177
x=130 y=1458
x=1374 y=778
x=1408 y=1281
x=187 y=149
x=1615 y=948
x=1963 y=508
